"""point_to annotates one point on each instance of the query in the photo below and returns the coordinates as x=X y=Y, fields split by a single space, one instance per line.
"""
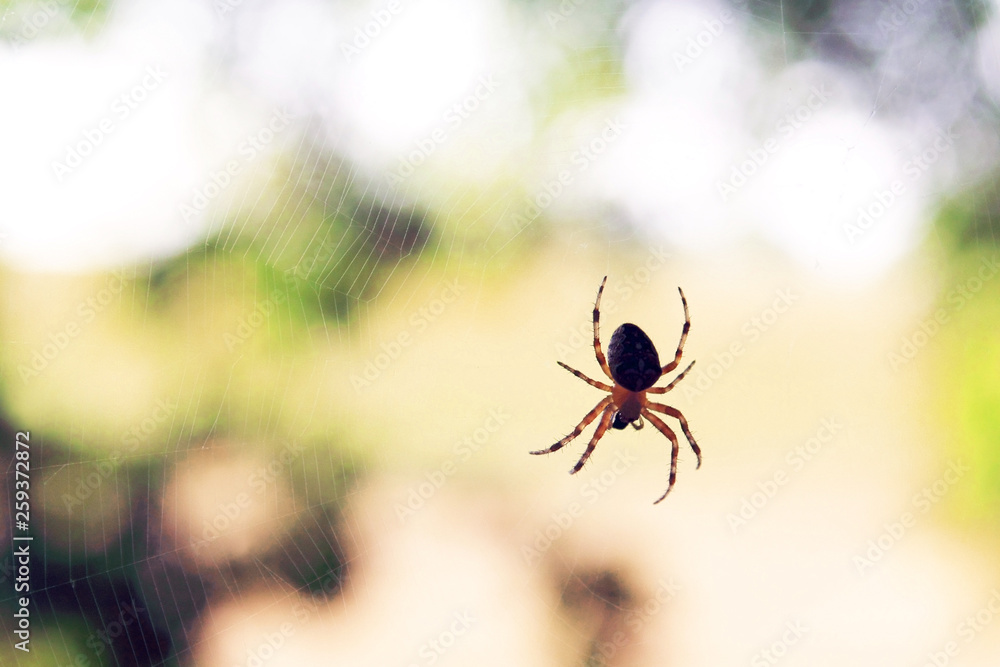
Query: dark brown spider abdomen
x=632 y=358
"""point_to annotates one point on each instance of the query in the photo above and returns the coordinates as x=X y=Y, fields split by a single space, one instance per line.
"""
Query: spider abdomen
x=632 y=358
x=634 y=366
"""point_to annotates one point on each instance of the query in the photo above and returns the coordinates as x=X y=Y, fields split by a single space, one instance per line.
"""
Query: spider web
x=337 y=271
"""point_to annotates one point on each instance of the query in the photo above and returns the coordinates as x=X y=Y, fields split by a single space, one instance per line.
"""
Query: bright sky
x=116 y=146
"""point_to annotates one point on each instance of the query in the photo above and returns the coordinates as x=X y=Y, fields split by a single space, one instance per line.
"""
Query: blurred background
x=283 y=286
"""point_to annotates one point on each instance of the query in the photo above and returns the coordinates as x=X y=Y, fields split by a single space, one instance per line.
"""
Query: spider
x=634 y=367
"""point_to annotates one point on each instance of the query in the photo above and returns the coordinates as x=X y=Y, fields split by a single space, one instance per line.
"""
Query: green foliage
x=968 y=392
x=972 y=218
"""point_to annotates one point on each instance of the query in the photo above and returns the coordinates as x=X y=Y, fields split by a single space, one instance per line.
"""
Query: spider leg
x=601 y=359
x=591 y=416
x=602 y=428
x=684 y=334
x=592 y=383
x=674 y=448
x=663 y=390
x=676 y=414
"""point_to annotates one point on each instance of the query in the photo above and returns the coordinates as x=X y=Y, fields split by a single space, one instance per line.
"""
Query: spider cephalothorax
x=634 y=367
